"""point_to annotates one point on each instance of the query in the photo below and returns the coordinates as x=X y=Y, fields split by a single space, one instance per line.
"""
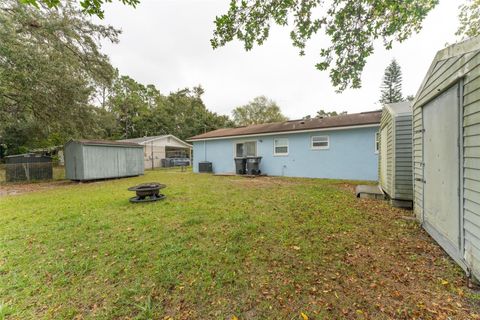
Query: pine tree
x=392 y=84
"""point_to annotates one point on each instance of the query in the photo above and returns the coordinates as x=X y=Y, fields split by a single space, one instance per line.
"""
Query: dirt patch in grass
x=264 y=182
x=346 y=186
x=11 y=189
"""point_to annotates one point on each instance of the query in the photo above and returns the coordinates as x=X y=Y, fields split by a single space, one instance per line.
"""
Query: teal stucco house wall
x=341 y=147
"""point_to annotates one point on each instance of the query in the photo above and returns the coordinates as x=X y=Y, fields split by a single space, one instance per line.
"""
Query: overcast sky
x=166 y=43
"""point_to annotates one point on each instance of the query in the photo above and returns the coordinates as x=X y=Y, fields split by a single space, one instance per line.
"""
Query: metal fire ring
x=147 y=192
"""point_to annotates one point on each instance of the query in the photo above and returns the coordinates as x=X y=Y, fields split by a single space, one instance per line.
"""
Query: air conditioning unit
x=205 y=167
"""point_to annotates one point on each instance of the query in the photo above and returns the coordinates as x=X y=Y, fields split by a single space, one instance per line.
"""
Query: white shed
x=395 y=156
x=157 y=148
x=446 y=148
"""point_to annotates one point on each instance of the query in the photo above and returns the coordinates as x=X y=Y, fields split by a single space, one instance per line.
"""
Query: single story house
x=340 y=147
x=446 y=153
x=395 y=157
x=158 y=148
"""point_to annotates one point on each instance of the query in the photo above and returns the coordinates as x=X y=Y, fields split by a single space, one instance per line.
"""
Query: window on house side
x=280 y=147
x=239 y=150
x=246 y=149
x=320 y=142
x=377 y=141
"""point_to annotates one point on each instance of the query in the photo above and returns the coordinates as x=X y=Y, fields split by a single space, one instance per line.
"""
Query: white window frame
x=320 y=148
x=275 y=148
x=377 y=141
x=243 y=142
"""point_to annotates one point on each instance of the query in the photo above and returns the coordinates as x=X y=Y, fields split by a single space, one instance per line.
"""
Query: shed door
x=441 y=170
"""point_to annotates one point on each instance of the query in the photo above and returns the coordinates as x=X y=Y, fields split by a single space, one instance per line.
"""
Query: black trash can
x=240 y=165
x=253 y=165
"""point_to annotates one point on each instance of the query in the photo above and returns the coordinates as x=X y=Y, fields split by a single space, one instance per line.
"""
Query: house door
x=442 y=214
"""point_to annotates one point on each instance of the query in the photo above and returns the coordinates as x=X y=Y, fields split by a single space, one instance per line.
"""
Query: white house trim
x=165 y=137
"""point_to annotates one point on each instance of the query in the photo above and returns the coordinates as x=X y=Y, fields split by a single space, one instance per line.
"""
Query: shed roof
x=106 y=142
x=399 y=108
x=336 y=122
x=144 y=140
x=431 y=86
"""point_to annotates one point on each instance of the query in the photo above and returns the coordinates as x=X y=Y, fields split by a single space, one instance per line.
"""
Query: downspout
x=204 y=150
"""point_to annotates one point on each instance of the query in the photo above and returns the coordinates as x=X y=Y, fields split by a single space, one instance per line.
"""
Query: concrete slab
x=369 y=192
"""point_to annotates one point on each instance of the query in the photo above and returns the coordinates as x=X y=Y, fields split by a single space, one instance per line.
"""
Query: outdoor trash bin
x=253 y=165
x=240 y=165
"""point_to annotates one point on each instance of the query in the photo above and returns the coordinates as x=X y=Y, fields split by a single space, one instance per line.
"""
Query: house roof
x=400 y=108
x=144 y=140
x=105 y=142
x=336 y=122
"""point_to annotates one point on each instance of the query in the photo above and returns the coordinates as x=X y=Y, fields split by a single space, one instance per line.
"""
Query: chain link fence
x=26 y=170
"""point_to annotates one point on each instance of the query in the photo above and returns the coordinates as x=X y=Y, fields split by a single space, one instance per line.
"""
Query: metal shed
x=29 y=166
x=102 y=159
x=446 y=153
x=395 y=153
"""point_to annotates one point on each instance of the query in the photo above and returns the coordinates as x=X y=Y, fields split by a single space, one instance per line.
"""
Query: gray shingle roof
x=347 y=120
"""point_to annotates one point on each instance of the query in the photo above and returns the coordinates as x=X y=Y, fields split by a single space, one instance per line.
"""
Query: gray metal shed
x=395 y=153
x=102 y=159
x=446 y=153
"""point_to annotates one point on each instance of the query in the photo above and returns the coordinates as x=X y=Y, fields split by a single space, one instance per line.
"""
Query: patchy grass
x=218 y=247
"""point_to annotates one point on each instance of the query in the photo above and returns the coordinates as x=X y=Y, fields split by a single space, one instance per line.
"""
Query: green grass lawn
x=220 y=248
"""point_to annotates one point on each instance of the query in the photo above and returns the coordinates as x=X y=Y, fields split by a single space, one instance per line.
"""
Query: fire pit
x=147 y=192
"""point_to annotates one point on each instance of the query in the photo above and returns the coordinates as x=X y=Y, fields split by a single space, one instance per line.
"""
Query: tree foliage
x=391 y=88
x=91 y=7
x=143 y=111
x=351 y=27
x=469 y=18
x=323 y=114
x=50 y=65
x=55 y=85
x=259 y=110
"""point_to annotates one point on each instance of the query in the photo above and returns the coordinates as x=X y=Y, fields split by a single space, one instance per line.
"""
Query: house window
x=246 y=149
x=320 y=142
x=377 y=141
x=280 y=147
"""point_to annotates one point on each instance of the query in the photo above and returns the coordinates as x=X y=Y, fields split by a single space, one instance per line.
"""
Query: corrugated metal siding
x=90 y=162
x=73 y=161
x=446 y=72
x=403 y=158
x=386 y=123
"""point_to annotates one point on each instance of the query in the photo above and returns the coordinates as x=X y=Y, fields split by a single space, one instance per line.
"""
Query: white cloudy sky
x=166 y=43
